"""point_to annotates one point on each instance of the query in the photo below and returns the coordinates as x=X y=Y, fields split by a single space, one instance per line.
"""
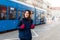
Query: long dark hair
x=29 y=14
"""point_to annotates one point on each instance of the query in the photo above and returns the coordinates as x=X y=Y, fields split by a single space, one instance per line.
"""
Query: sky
x=54 y=3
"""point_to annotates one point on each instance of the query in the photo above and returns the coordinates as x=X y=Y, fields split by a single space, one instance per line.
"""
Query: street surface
x=49 y=31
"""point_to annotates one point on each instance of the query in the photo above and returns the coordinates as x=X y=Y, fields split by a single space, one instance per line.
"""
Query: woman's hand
x=22 y=26
x=32 y=26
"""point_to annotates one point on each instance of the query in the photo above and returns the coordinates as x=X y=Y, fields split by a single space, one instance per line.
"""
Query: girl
x=25 y=26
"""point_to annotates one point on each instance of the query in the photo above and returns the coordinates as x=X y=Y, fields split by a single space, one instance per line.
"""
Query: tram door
x=13 y=17
x=3 y=17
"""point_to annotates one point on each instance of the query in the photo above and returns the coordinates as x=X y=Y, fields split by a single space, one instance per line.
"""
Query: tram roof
x=27 y=5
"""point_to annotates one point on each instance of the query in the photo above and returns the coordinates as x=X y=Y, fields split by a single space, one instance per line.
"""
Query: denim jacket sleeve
x=32 y=25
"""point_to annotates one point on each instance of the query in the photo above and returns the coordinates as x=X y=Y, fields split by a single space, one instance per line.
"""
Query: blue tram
x=11 y=11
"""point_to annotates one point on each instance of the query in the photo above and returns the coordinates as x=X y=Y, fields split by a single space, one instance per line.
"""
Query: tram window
x=32 y=14
x=38 y=14
x=2 y=12
x=42 y=15
x=12 y=13
x=19 y=14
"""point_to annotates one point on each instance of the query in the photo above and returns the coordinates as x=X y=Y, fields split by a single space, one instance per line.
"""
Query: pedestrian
x=25 y=26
